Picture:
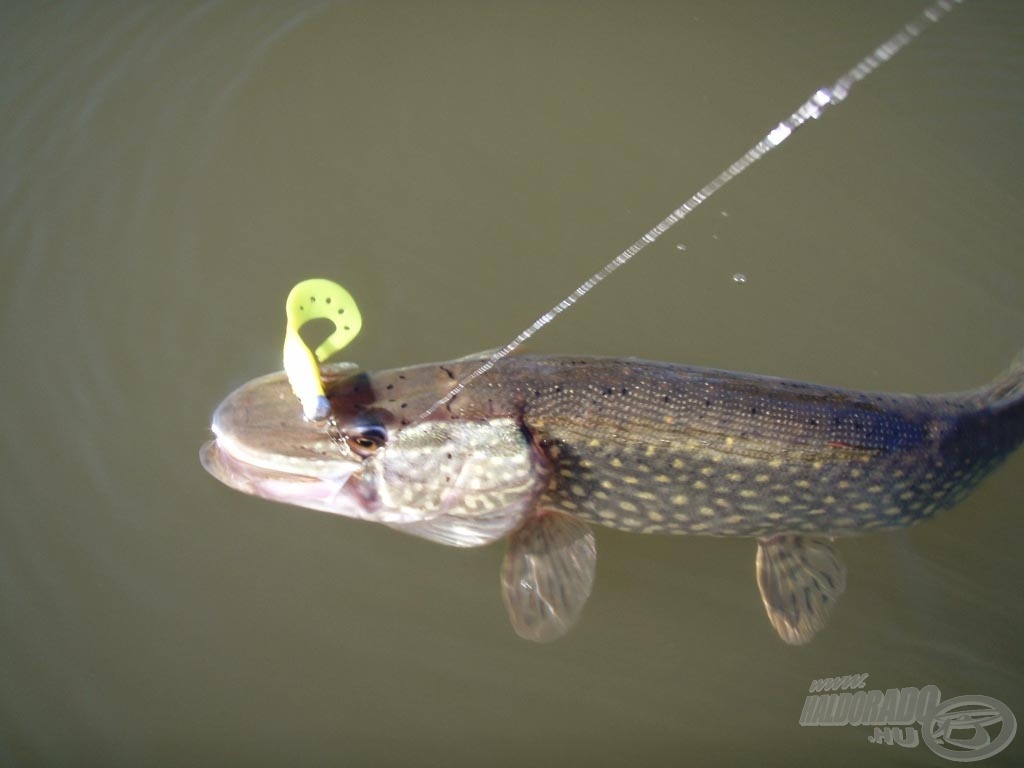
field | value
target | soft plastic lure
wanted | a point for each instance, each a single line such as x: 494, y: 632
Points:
x: 311, y: 300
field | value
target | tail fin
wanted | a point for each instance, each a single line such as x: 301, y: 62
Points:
x: 1009, y: 386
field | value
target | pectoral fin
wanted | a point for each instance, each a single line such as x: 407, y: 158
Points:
x: 547, y: 575
x: 800, y: 578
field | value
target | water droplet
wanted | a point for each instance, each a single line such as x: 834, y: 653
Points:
x: 739, y: 277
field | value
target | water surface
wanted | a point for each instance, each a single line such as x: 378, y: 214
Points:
x: 168, y: 171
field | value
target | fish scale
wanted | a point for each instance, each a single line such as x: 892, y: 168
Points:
x: 691, y: 451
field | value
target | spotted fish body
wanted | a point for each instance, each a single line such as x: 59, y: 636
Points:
x: 539, y: 447
x: 657, y: 448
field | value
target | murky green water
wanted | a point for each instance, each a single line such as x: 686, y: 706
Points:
x: 168, y: 171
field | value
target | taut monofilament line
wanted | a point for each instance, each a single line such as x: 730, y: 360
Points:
x: 813, y: 108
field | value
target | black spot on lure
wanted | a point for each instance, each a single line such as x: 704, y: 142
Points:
x: 540, y: 447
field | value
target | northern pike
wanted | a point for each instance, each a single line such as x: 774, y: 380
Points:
x: 539, y: 447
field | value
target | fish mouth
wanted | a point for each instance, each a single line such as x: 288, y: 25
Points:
x: 326, y: 493
x: 263, y: 446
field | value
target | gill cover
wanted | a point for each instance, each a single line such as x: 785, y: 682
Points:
x: 462, y: 483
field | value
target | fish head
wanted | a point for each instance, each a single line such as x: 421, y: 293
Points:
x: 459, y: 478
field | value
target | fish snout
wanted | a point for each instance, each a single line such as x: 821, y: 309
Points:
x: 263, y: 445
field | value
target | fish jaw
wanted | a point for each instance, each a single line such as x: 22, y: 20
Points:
x: 263, y: 446
x: 324, y: 494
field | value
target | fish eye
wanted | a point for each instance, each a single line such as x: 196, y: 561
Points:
x: 367, y: 440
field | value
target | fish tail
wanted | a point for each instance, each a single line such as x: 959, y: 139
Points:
x: 1008, y: 388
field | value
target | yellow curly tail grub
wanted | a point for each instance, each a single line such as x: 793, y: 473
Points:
x: 312, y: 300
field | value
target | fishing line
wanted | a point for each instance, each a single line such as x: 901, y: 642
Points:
x: 811, y: 109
